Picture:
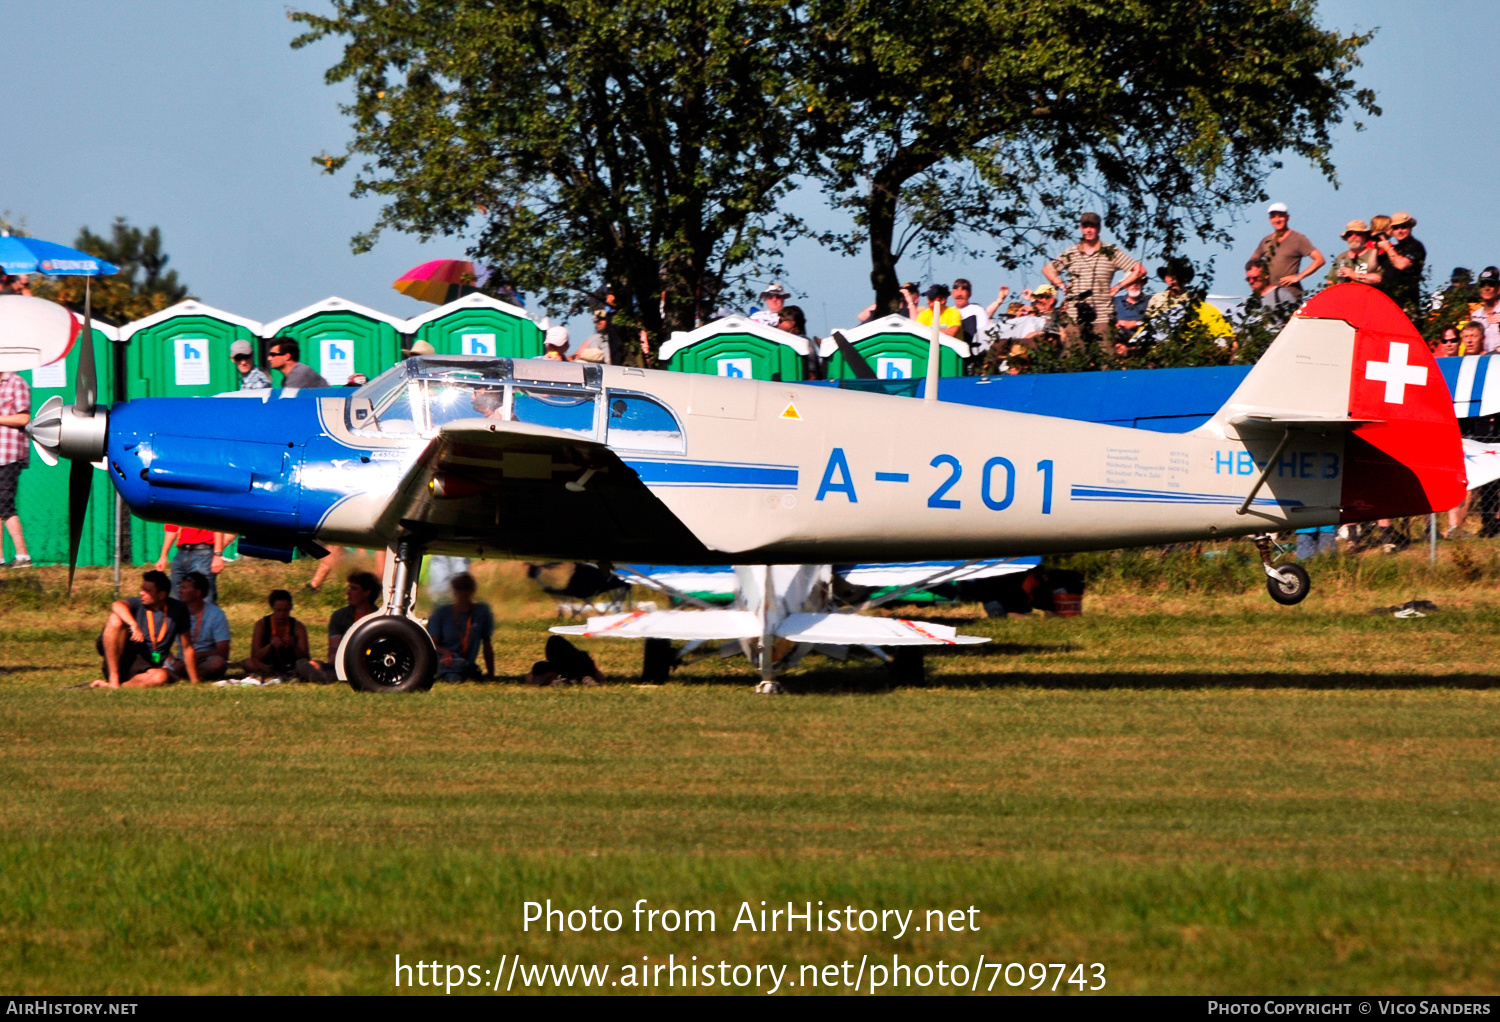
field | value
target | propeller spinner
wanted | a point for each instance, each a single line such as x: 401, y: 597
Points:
x: 78, y: 432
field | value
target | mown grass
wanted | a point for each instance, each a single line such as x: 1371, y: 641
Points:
x: 1203, y: 791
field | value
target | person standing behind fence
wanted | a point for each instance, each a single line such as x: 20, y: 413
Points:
x: 1402, y: 260
x: 197, y: 550
x: 283, y: 355
x: 15, y: 455
x: 1090, y: 266
x: 1283, y: 250
x: 252, y: 376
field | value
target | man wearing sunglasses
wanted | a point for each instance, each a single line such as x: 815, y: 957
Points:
x: 252, y: 376
x: 283, y: 356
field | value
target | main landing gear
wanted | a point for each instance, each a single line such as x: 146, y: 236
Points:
x: 1288, y: 584
x: 388, y: 651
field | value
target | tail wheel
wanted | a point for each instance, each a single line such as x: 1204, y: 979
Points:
x: 1292, y: 587
x: 386, y: 653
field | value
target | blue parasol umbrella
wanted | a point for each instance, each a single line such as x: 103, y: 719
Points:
x: 32, y: 255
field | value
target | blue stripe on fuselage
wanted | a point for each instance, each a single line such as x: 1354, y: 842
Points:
x: 715, y: 474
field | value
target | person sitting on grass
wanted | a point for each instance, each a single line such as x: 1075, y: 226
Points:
x: 139, y: 634
x: 361, y: 592
x: 566, y: 664
x: 208, y: 634
x: 460, y: 630
x: 278, y: 642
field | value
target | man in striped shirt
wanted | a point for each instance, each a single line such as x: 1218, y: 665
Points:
x: 1090, y: 266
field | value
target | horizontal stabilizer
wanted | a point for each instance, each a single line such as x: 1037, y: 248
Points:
x: 1482, y: 461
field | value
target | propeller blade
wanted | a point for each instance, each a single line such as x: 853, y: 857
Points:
x: 852, y: 358
x: 86, y: 391
x: 80, y: 479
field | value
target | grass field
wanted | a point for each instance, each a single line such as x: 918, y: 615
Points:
x: 1200, y: 790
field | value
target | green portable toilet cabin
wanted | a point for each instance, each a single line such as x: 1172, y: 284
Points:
x: 896, y: 349
x: 738, y: 346
x: 42, y: 501
x: 338, y: 338
x: 477, y: 324
x: 182, y: 351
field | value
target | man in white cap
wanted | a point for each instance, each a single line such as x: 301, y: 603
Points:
x: 555, y: 346
x: 252, y: 376
x: 1283, y: 250
x: 774, y: 297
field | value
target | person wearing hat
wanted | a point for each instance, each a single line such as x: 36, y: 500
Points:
x: 1090, y: 266
x: 555, y: 346
x: 774, y: 298
x: 418, y: 348
x: 1284, y: 249
x: 1402, y: 259
x: 1487, y: 312
x: 1359, y: 264
x: 950, y: 321
x: 252, y: 376
x: 1162, y: 311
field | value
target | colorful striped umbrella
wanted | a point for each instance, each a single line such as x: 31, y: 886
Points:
x: 435, y: 281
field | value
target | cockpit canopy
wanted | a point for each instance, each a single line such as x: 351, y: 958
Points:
x: 421, y: 395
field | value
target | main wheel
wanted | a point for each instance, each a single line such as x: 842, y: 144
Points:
x: 1294, y: 589
x: 908, y: 665
x: 386, y: 653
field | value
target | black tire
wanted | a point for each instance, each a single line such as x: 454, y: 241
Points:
x: 1294, y: 590
x: 908, y: 666
x: 387, y: 653
x: 658, y: 661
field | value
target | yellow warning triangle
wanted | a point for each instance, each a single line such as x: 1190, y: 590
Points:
x: 790, y: 412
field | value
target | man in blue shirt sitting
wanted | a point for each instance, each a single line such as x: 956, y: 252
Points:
x: 460, y: 630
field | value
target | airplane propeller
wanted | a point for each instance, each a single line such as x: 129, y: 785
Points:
x: 78, y: 432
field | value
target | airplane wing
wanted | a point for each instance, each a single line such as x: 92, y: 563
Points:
x: 521, y: 488
x: 687, y: 625
x: 694, y: 584
x: 856, y: 630
x: 1482, y: 462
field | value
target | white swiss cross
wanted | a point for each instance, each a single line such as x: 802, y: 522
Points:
x: 1396, y: 374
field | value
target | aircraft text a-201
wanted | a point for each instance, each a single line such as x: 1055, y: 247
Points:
x: 1345, y: 418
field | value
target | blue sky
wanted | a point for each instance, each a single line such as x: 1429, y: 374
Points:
x: 199, y: 118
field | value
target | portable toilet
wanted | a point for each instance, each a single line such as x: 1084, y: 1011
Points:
x: 896, y: 349
x: 338, y: 338
x: 740, y: 347
x: 42, y: 501
x: 477, y: 324
x: 183, y: 351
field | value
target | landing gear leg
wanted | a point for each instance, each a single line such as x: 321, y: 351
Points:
x: 1288, y: 584
x: 768, y: 685
x: 388, y: 651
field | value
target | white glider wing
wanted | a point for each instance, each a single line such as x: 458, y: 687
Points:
x: 855, y: 630
x: 686, y: 625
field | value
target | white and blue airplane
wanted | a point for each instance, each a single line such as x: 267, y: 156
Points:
x: 1345, y: 418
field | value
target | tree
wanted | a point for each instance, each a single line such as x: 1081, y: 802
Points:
x: 991, y: 124
x: 144, y: 284
x: 633, y: 144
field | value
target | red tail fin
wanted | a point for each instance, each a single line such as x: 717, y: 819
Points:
x: 1410, y: 460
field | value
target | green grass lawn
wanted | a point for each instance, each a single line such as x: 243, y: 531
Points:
x: 1202, y: 791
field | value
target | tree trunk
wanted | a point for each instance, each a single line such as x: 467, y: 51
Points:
x: 882, y: 226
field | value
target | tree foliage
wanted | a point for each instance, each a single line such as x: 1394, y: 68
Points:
x: 989, y: 125
x: 632, y: 143
x: 144, y: 284
x: 644, y: 144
